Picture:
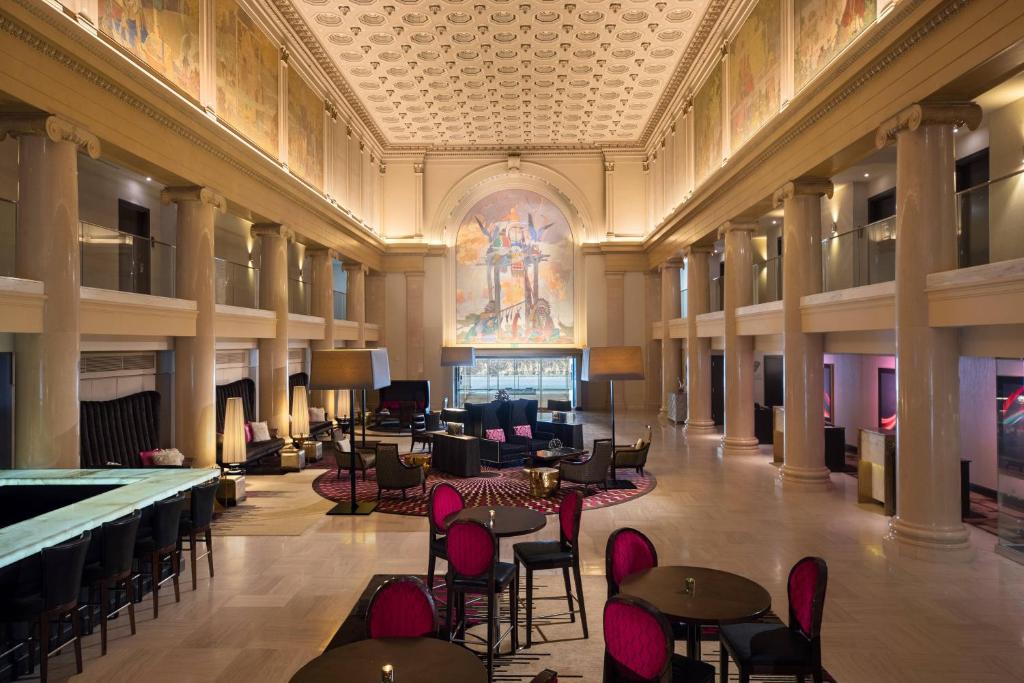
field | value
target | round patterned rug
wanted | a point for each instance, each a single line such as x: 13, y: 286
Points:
x: 508, y: 486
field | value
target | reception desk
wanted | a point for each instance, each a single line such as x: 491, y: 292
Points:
x: 876, y: 471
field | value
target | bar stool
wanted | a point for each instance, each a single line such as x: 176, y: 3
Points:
x: 113, y: 571
x: 195, y: 521
x: 159, y: 542
x: 60, y: 580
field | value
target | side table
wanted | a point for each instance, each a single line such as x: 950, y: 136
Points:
x: 314, y: 450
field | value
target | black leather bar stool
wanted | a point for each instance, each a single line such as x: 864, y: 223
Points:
x: 158, y: 541
x: 196, y: 520
x: 113, y: 572
x: 60, y: 581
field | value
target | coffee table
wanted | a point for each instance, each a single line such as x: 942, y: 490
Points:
x: 508, y: 520
x: 551, y: 458
x: 415, y: 660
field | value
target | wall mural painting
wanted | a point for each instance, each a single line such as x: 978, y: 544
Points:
x: 755, y: 77
x: 248, y: 71
x: 162, y: 33
x: 823, y: 28
x: 707, y: 125
x: 514, y: 272
x: 305, y: 131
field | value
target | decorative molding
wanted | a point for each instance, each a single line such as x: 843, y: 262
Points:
x: 697, y: 249
x: 193, y: 193
x: 738, y: 225
x: 806, y: 186
x: 55, y: 128
x: 322, y: 252
x: 271, y: 230
x: 928, y: 113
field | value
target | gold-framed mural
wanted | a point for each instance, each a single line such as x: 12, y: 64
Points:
x: 823, y: 28
x: 305, y: 131
x: 755, y: 74
x: 707, y: 125
x: 514, y: 257
x: 164, y: 34
x: 248, y: 76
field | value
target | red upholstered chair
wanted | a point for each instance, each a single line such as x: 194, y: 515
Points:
x: 561, y: 554
x: 630, y: 551
x: 793, y: 650
x: 444, y: 500
x: 473, y: 568
x: 638, y: 646
x: 401, y: 608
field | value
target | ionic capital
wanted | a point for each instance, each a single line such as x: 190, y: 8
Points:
x: 271, y: 230
x: 674, y: 262
x: 928, y: 113
x: 738, y: 225
x: 355, y: 267
x: 322, y: 253
x: 806, y: 186
x: 55, y: 128
x: 193, y: 193
x: 696, y: 249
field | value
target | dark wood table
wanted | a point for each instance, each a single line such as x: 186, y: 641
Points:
x: 508, y: 521
x: 415, y: 660
x: 547, y: 458
x: 718, y: 598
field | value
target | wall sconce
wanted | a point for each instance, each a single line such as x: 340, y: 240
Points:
x: 835, y: 230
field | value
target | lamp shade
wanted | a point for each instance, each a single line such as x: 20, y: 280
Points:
x: 612, y: 363
x: 350, y: 369
x: 343, y: 405
x: 300, y: 411
x: 233, y: 450
x: 457, y: 356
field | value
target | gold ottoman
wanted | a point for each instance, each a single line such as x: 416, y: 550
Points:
x: 421, y: 459
x: 543, y: 481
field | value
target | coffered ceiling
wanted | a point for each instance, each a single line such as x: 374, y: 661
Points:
x: 506, y: 72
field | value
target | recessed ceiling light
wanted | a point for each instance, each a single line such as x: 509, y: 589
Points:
x: 956, y: 129
x: 148, y: 179
x: 775, y: 222
x: 867, y: 175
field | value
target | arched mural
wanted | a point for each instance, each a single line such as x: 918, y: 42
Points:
x: 514, y: 272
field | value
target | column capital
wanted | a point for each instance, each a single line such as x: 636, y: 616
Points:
x: 738, y: 225
x: 271, y: 230
x: 193, y: 193
x: 56, y: 128
x: 928, y: 113
x: 697, y: 249
x: 322, y: 252
x: 353, y: 266
x: 806, y: 186
x: 674, y: 262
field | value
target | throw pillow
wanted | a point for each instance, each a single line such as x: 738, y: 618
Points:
x: 168, y: 456
x: 260, y: 431
x: 639, y: 443
x: 317, y: 415
x: 248, y: 432
x: 147, y: 458
x: 523, y: 430
x: 497, y: 434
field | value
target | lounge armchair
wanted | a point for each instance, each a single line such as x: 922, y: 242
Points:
x: 364, y: 458
x: 392, y: 473
x: 634, y: 455
x: 593, y: 470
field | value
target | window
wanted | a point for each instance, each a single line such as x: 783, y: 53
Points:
x: 534, y: 378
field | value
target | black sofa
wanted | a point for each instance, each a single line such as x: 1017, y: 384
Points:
x: 524, y: 412
x: 495, y: 415
x: 404, y: 399
x: 301, y: 379
x: 246, y: 390
x: 113, y: 433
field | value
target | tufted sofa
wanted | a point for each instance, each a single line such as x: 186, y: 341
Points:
x: 246, y: 390
x: 113, y: 433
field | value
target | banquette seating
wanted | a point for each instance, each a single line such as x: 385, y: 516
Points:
x: 246, y: 390
x: 114, y: 433
x: 403, y: 399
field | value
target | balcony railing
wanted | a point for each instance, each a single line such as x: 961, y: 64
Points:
x: 717, y: 294
x: 682, y: 303
x: 298, y: 296
x: 862, y: 256
x: 237, y: 284
x: 990, y: 221
x: 340, y: 305
x: 126, y: 263
x: 768, y: 280
x: 8, y: 229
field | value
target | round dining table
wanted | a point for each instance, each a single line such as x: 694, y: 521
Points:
x: 717, y: 597
x: 508, y: 520
x: 414, y: 660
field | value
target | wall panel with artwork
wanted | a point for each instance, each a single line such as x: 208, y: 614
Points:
x: 707, y: 126
x: 305, y: 131
x: 755, y: 75
x: 823, y: 28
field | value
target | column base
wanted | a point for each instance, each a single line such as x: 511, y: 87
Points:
x: 740, y: 445
x: 915, y: 541
x: 805, y: 478
x: 700, y: 427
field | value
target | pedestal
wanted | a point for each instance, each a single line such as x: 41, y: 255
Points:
x: 293, y: 459
x: 231, y: 489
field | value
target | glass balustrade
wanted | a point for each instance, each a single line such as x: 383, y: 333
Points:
x: 8, y: 225
x: 298, y: 296
x: 862, y: 256
x: 125, y: 263
x: 767, y: 282
x: 340, y: 305
x: 237, y: 284
x: 682, y: 303
x: 989, y: 221
x: 717, y: 294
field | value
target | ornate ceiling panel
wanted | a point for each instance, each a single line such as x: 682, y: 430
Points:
x: 502, y: 72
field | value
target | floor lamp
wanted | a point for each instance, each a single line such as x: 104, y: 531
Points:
x: 457, y: 357
x: 610, y: 363
x: 354, y: 370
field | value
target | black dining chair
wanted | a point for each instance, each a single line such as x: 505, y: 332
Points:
x: 113, y: 572
x: 158, y: 542
x: 60, y: 581
x: 194, y: 526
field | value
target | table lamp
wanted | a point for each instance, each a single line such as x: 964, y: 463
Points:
x: 354, y: 370
x: 612, y: 363
x: 300, y: 415
x: 233, y: 449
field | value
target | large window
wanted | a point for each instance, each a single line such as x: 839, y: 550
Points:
x: 535, y: 378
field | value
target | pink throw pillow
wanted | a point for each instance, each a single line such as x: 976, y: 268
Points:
x: 147, y: 458
x: 248, y: 432
x: 523, y: 430
x: 495, y: 435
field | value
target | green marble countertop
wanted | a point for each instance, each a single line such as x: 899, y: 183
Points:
x: 137, y: 488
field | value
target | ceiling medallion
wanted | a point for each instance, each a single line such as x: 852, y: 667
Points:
x: 328, y: 19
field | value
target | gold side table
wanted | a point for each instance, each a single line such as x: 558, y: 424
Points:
x: 421, y: 459
x: 543, y: 481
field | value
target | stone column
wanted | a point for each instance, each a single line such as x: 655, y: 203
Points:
x: 355, y: 301
x: 739, y: 436
x: 804, y: 465
x: 414, y: 324
x: 322, y: 301
x: 671, y: 349
x: 652, y: 314
x: 927, y: 520
x: 46, y: 364
x: 195, y: 358
x: 273, y: 352
x: 698, y: 349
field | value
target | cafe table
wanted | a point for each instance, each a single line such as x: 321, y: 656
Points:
x: 508, y: 520
x: 717, y: 597
x: 414, y: 660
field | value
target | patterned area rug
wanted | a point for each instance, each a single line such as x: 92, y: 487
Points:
x: 509, y: 486
x: 558, y: 643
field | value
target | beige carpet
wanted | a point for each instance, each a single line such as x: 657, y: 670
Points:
x: 276, y: 505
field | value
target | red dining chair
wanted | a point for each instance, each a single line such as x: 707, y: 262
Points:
x: 561, y: 554
x: 401, y: 608
x: 774, y: 649
x: 444, y: 500
x: 473, y: 568
x: 638, y: 646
